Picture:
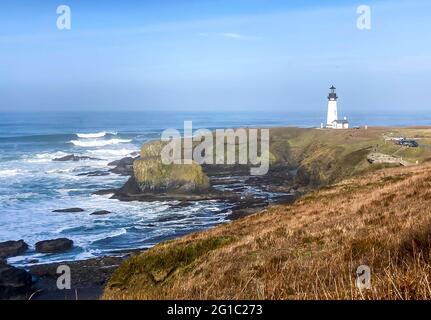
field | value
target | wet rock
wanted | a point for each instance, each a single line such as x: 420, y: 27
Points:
x: 14, y: 283
x: 54, y: 246
x: 98, y: 173
x: 123, y: 166
x: 33, y: 261
x: 12, y: 248
x: 101, y: 213
x: 89, y: 278
x: 122, y: 162
x: 69, y: 210
x: 72, y: 157
x: 104, y: 192
x: 171, y: 217
x: 181, y: 204
x: 129, y: 188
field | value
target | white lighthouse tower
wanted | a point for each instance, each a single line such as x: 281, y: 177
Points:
x: 332, y: 108
x: 332, y: 118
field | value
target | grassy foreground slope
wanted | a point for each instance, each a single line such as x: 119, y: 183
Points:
x: 308, y: 250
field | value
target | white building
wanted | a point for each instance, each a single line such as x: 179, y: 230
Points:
x: 332, y: 120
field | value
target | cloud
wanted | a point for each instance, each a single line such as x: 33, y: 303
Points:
x: 233, y: 35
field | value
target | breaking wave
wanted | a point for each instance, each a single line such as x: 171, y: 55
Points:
x: 9, y: 173
x: 94, y: 135
x: 98, y: 143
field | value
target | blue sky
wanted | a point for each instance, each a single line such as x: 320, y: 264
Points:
x: 219, y: 55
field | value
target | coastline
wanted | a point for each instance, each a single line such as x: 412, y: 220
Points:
x: 289, y: 178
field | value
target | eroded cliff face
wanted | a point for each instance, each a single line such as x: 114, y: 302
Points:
x: 151, y: 175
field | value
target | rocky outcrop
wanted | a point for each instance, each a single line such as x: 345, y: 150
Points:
x: 12, y: 248
x: 72, y: 157
x: 123, y: 166
x: 100, y: 213
x: 151, y: 175
x: 69, y: 210
x: 97, y: 173
x: 54, y: 246
x: 14, y: 283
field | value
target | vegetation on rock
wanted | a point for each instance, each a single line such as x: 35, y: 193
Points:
x: 152, y: 175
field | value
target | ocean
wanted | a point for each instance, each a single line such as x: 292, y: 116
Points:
x: 32, y: 185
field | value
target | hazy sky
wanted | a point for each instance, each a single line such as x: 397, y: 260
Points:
x: 219, y: 55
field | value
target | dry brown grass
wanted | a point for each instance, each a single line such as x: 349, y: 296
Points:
x: 308, y: 250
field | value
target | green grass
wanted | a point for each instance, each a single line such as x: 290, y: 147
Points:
x: 326, y: 156
x: 163, y: 263
x: 152, y: 175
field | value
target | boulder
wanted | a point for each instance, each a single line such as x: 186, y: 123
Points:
x: 101, y: 213
x: 54, y: 246
x: 12, y: 248
x: 69, y: 210
x: 14, y: 283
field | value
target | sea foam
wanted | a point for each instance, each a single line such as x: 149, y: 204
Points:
x: 9, y: 173
x: 94, y: 135
x: 98, y: 143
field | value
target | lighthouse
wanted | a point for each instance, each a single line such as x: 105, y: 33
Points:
x: 332, y: 107
x: 332, y: 117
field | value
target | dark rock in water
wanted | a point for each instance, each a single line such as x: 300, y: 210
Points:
x: 54, y: 246
x: 100, y: 213
x: 72, y: 157
x: 32, y: 261
x: 123, y: 166
x: 123, y: 171
x: 14, y: 283
x: 12, y: 248
x: 171, y: 217
x: 104, y: 192
x: 94, y: 174
x: 182, y: 204
x: 69, y: 210
x: 129, y: 188
x: 122, y: 162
